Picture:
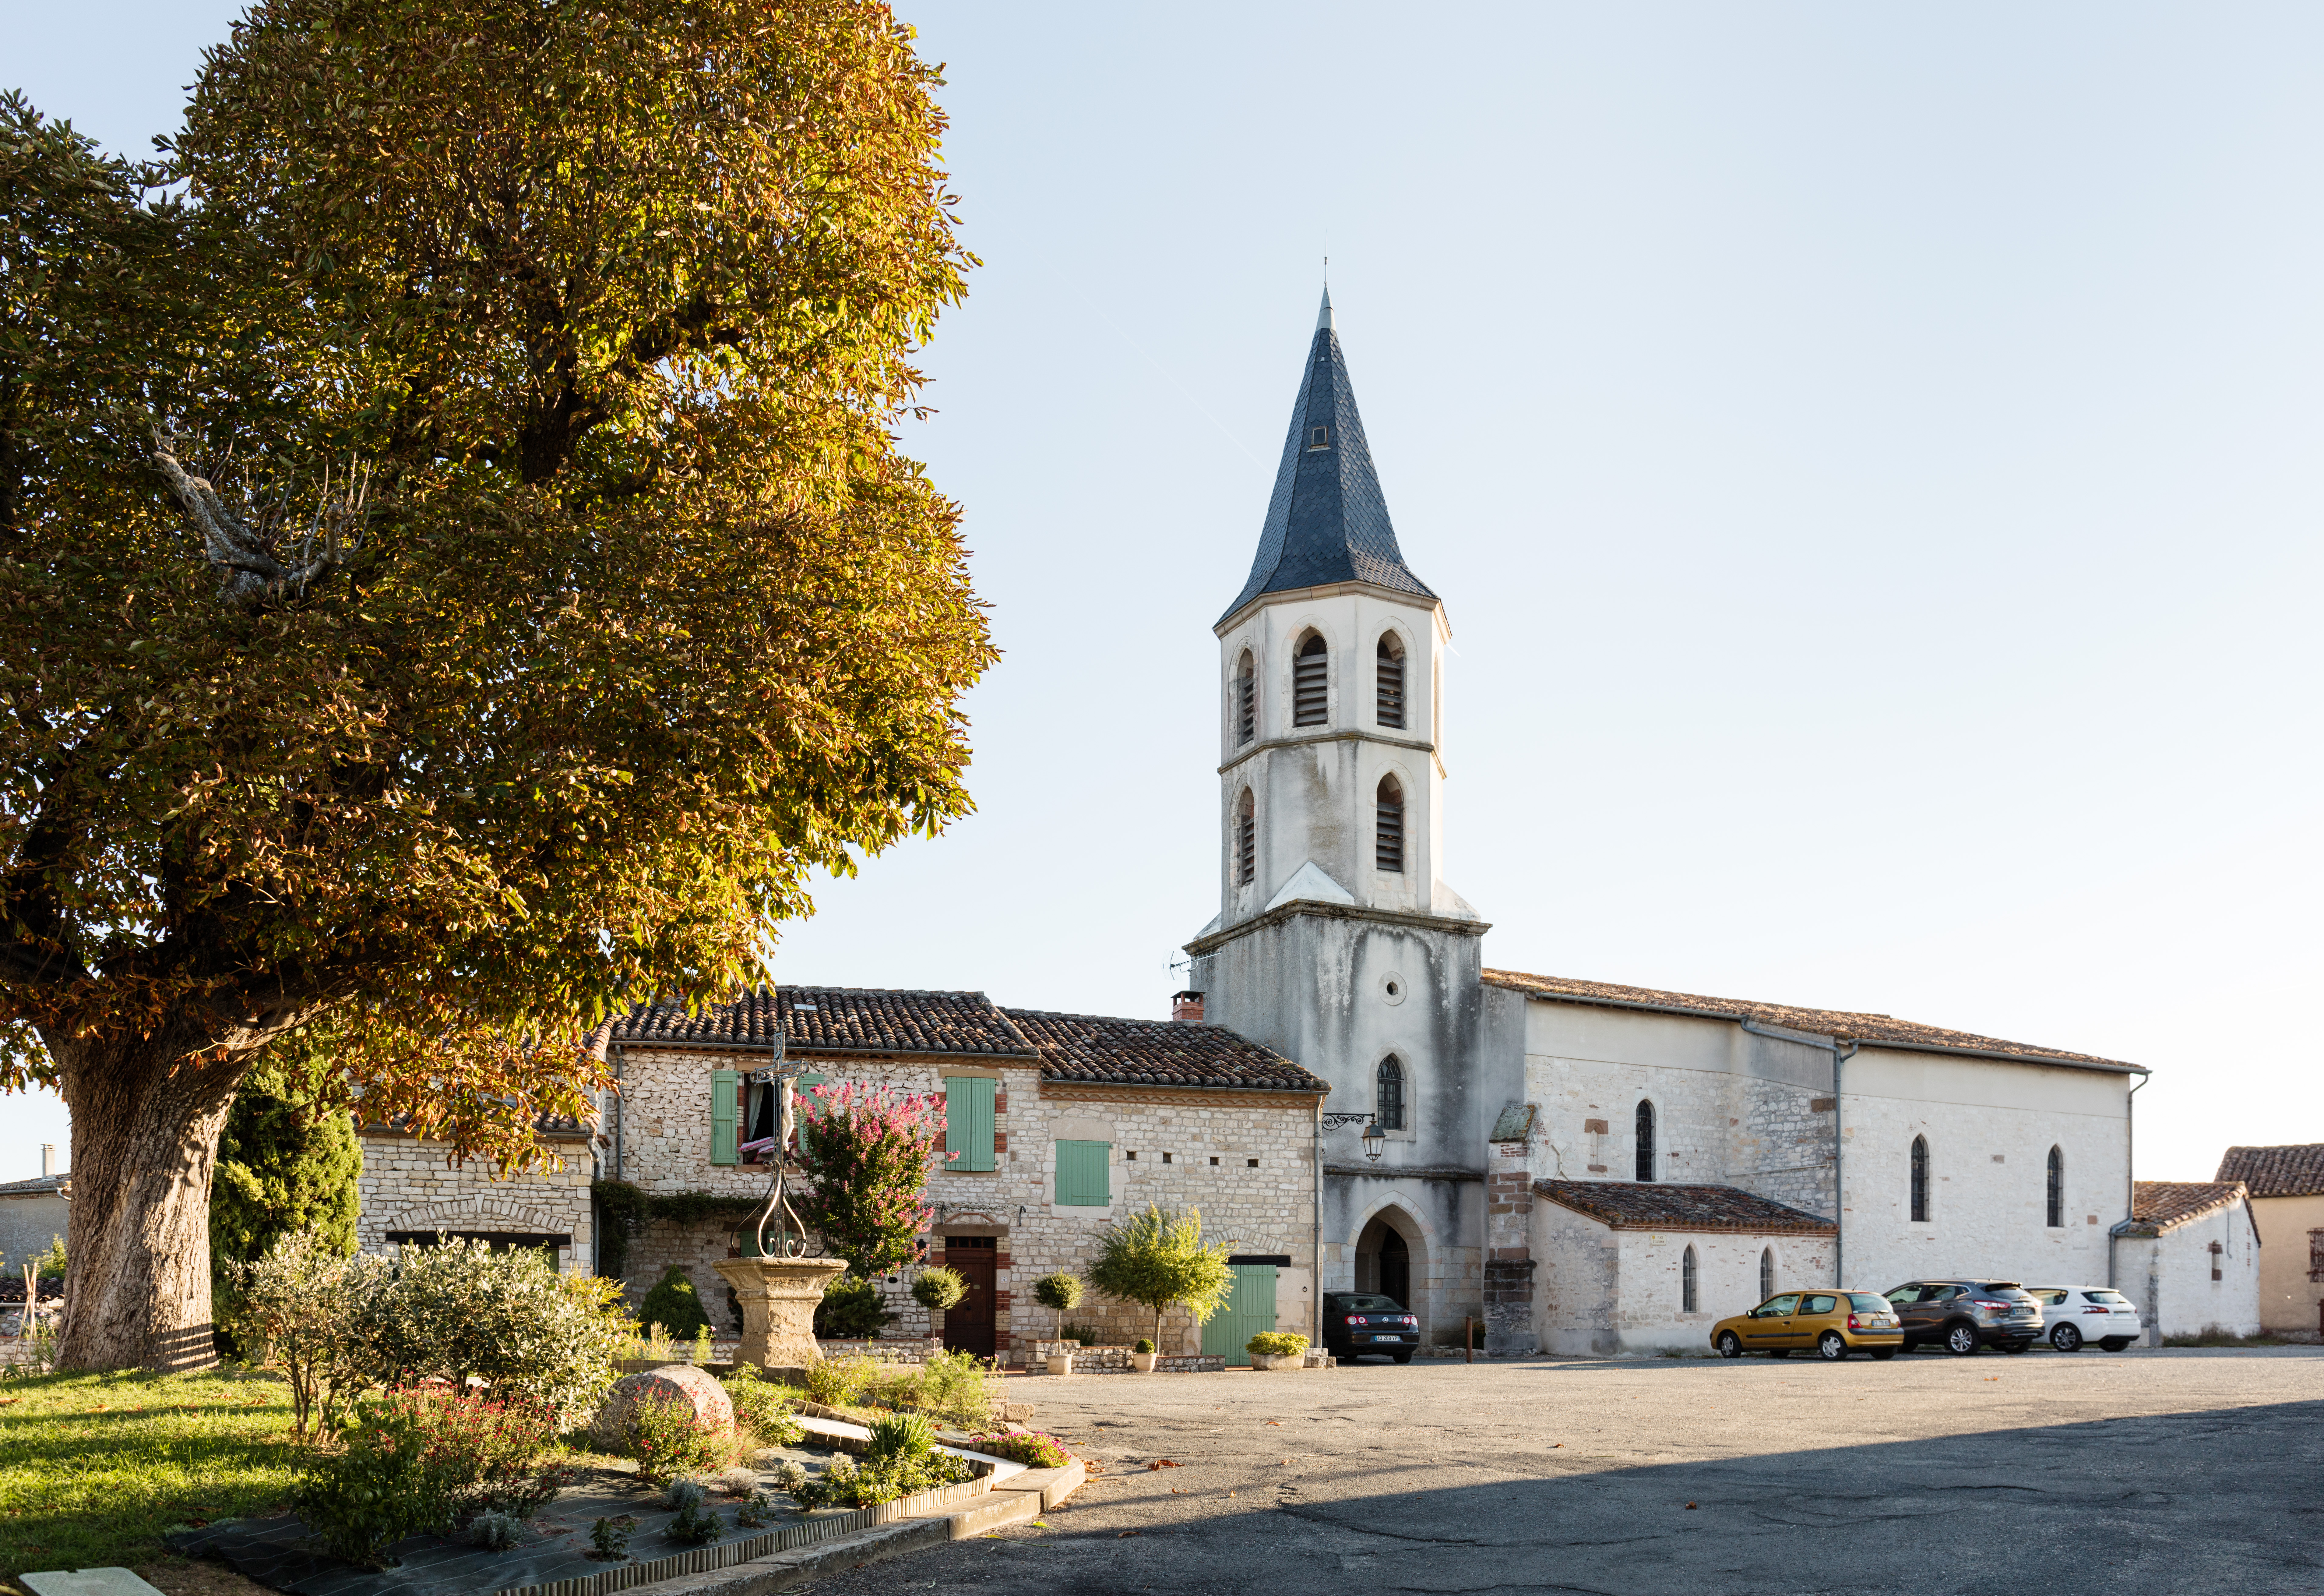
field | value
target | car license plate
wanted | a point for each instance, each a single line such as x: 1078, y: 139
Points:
x: 1387, y: 1338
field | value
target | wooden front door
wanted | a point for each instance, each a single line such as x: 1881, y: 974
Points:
x: 968, y: 1324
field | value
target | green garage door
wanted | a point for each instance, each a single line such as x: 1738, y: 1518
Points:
x: 1249, y: 1309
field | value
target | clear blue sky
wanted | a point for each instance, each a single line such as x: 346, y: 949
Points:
x: 1869, y: 456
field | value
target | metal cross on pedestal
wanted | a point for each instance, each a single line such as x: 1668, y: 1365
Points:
x: 792, y: 1231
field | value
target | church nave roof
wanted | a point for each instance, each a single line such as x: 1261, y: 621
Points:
x: 1873, y: 1030
x: 1648, y: 1205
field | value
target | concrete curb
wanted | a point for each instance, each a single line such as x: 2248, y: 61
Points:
x: 1023, y: 1496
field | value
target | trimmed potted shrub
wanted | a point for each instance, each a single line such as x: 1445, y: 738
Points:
x: 1061, y: 1293
x: 1276, y: 1349
x: 1141, y: 1356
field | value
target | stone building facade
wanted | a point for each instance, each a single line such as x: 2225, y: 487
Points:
x: 1065, y: 1123
x: 413, y: 1190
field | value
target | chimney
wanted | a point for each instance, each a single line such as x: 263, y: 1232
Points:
x: 1186, y: 1008
x: 49, y: 1149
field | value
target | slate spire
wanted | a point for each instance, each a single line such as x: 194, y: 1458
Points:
x: 1327, y: 522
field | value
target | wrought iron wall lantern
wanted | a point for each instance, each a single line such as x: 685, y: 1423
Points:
x: 1375, y: 1138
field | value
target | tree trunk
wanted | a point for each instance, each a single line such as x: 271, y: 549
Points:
x: 145, y: 1123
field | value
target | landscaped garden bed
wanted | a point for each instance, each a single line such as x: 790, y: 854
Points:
x: 742, y: 1514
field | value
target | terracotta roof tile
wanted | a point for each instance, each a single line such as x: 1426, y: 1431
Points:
x: 2295, y: 1171
x: 1883, y: 1029
x: 836, y: 1019
x: 1157, y: 1053
x: 2160, y: 1206
x: 1640, y: 1205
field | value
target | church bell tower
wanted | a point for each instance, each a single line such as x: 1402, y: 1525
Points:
x: 1337, y: 942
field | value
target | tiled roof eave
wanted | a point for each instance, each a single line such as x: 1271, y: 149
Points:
x: 1510, y: 981
x: 1050, y: 1073
x: 818, y: 1050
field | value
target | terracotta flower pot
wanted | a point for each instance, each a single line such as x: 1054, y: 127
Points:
x: 1143, y: 1361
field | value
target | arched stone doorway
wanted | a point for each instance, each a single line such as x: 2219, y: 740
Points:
x: 1391, y: 1256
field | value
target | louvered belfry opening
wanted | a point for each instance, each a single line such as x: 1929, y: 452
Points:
x: 1246, y: 690
x: 1310, y: 696
x: 1388, y: 848
x: 1391, y: 683
x: 1246, y: 841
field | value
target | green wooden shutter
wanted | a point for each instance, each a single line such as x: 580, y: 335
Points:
x: 1081, y: 1173
x: 723, y: 1090
x: 803, y: 1106
x: 968, y: 1122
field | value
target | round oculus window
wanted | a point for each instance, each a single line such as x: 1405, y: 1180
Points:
x: 1392, y: 987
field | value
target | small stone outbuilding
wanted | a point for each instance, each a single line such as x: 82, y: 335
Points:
x: 2189, y: 1257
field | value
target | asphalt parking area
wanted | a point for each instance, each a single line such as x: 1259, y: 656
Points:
x: 2178, y: 1471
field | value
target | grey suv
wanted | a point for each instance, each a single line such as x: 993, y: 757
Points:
x: 1962, y: 1315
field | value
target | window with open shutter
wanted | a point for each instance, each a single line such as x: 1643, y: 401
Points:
x: 1390, y: 671
x: 803, y: 1106
x: 968, y: 1122
x: 1081, y: 1174
x: 1310, y: 682
x: 725, y: 1102
x: 1387, y: 819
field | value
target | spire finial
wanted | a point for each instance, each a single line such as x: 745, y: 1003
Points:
x: 1324, y: 316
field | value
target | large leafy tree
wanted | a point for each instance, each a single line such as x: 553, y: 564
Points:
x: 456, y: 576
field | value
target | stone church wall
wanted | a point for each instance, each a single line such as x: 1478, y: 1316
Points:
x: 1989, y: 1127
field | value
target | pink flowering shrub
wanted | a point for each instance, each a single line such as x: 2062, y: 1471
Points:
x: 866, y: 1150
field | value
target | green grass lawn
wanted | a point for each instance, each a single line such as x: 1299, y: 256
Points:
x: 96, y: 1468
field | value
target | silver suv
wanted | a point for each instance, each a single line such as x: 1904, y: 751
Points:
x: 1962, y: 1315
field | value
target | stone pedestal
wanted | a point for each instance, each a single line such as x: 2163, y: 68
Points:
x: 778, y: 1297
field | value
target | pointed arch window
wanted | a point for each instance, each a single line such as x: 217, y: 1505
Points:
x: 1388, y: 1099
x: 1246, y: 701
x: 1920, y: 1180
x: 1246, y: 839
x: 1646, y: 1123
x: 1390, y: 671
x: 1387, y: 810
x: 1766, y: 1273
x: 1310, y: 689
x: 1688, y: 1292
x: 2057, y: 1204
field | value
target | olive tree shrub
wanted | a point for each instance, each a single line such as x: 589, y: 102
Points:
x: 1158, y: 1260
x: 460, y: 1311
x: 296, y: 1310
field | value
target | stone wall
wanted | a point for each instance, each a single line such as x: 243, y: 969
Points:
x: 410, y: 1184
x: 2169, y: 1277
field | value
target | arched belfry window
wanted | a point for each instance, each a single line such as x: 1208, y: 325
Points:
x: 1646, y: 1140
x: 1688, y: 1292
x: 2057, y: 1189
x: 1766, y: 1273
x: 1246, y: 701
x: 1387, y: 850
x: 1389, y: 667
x: 1310, y: 689
x: 1246, y: 839
x: 1920, y: 1180
x: 1389, y: 1100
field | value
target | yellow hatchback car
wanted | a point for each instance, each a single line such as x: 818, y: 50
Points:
x: 1833, y: 1324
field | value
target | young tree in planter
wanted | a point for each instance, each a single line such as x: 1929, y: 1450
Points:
x: 1061, y: 1293
x: 866, y: 1150
x: 1158, y: 1259
x: 456, y: 575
